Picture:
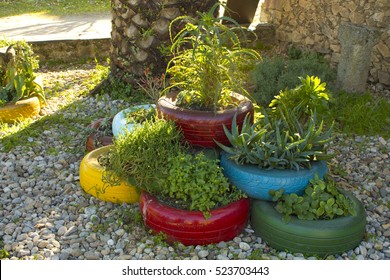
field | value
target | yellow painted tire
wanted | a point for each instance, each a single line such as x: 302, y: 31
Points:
x: 91, y: 181
x: 21, y: 109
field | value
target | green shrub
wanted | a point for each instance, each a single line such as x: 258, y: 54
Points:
x: 276, y: 74
x: 321, y: 201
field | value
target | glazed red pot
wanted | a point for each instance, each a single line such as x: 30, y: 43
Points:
x: 201, y: 128
x: 94, y: 137
x: 191, y: 227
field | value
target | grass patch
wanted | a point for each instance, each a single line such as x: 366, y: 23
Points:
x: 361, y: 114
x: 53, y: 7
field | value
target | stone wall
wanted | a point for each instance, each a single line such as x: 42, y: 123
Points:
x: 314, y: 24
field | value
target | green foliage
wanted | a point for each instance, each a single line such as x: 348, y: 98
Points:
x: 152, y: 86
x: 17, y: 77
x: 278, y: 143
x: 140, y: 157
x: 140, y: 115
x: 58, y: 7
x: 361, y: 114
x: 197, y: 183
x: 321, y: 201
x: 276, y: 74
x: 208, y: 61
x: 310, y: 96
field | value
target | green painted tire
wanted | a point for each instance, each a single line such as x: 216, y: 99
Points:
x: 319, y: 237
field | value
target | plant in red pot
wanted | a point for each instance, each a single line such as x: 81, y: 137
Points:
x: 208, y: 78
x: 183, y: 194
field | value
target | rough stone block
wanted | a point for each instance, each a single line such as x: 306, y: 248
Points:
x: 357, y: 42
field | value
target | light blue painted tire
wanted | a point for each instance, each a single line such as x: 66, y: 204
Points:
x: 119, y: 124
x: 257, y: 183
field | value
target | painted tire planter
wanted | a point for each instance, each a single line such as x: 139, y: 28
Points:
x: 321, y: 237
x: 256, y: 182
x: 200, y: 128
x: 190, y: 227
x: 94, y: 137
x: 91, y: 181
x: 22, y: 109
x: 119, y: 123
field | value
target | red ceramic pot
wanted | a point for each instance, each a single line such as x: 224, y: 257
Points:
x: 201, y: 128
x: 95, y: 137
x: 190, y: 227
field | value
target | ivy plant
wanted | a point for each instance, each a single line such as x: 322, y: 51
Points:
x: 321, y: 201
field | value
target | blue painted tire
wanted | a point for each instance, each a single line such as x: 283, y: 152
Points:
x: 119, y: 124
x: 318, y: 237
x: 257, y: 183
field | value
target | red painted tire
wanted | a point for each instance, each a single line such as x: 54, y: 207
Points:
x: 200, y: 128
x: 92, y: 138
x: 190, y: 227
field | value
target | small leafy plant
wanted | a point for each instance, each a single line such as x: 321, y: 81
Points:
x: 195, y: 182
x: 311, y: 95
x: 17, y: 77
x: 321, y: 201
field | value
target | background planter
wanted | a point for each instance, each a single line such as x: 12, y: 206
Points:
x: 96, y: 137
x: 321, y: 237
x: 200, y: 128
x: 190, y: 227
x: 256, y: 182
x: 91, y: 181
x: 26, y: 108
x: 119, y: 123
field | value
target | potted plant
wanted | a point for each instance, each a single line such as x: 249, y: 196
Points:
x: 21, y: 92
x: 94, y: 179
x: 285, y: 149
x: 183, y: 195
x: 128, y: 119
x: 324, y: 220
x: 207, y: 78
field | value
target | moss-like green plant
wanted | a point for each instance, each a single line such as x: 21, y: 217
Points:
x: 321, y: 201
x: 208, y: 61
x: 195, y: 182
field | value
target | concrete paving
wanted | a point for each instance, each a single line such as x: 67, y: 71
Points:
x: 41, y: 27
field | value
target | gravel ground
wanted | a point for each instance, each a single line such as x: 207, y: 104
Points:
x: 46, y: 215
